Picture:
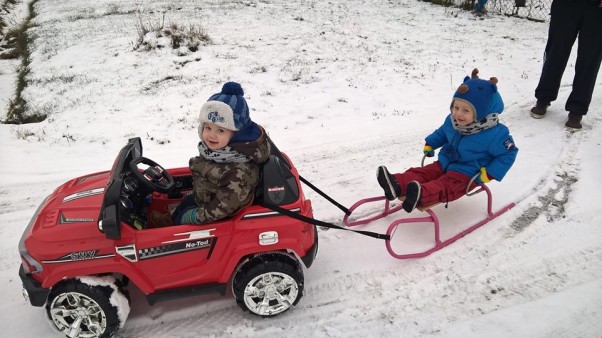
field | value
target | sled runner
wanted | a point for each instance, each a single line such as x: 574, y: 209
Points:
x: 431, y: 217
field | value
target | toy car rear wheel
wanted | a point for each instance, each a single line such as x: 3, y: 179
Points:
x: 268, y: 287
x: 77, y: 309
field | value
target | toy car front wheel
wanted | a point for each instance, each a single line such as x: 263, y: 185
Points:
x: 77, y: 309
x: 268, y: 287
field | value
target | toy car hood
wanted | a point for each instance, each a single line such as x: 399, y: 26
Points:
x: 70, y: 213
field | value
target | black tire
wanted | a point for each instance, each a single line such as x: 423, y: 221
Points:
x: 268, y: 284
x: 77, y: 309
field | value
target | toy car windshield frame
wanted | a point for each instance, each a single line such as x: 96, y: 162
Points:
x: 109, y: 221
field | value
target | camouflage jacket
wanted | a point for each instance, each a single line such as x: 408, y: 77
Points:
x: 223, y: 189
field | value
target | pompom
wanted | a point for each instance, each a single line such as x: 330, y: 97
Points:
x: 232, y: 88
x: 463, y: 89
x: 474, y: 74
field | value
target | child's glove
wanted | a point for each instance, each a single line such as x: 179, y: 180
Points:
x: 159, y: 219
x: 189, y: 217
x: 428, y: 150
x: 484, y: 177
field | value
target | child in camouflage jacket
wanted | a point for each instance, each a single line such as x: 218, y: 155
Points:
x: 226, y: 171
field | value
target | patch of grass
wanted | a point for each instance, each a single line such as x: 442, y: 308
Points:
x: 445, y: 3
x: 17, y: 107
x: 151, y: 33
x: 6, y: 6
x: 154, y: 84
x: 191, y: 36
x: 466, y: 5
x: 28, y: 135
x: 15, y: 43
x: 10, y: 54
x: 56, y: 78
x: 258, y: 69
x: 114, y: 9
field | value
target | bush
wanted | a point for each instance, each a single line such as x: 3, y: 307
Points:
x: 157, y: 35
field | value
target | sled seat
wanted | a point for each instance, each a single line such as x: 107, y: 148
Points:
x: 425, y: 208
x: 428, y: 207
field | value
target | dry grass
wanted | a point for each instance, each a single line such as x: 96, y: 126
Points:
x: 149, y: 35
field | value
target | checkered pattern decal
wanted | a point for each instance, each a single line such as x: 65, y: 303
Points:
x: 174, y: 248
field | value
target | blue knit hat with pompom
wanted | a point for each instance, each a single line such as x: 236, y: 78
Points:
x: 482, y: 95
x: 227, y: 108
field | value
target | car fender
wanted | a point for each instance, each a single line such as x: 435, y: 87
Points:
x: 241, y: 252
x: 69, y: 272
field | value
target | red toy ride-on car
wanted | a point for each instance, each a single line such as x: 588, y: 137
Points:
x: 91, y: 239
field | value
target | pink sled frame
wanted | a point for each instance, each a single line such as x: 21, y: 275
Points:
x: 431, y: 218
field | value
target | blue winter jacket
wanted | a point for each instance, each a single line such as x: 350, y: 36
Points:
x: 492, y: 148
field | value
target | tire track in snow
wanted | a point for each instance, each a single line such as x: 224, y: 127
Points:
x: 444, y: 285
x: 414, y: 294
x: 396, y: 301
x: 406, y: 299
x: 553, y: 192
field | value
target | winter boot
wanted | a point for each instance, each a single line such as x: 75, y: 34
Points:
x: 413, y: 194
x: 574, y: 121
x: 540, y: 109
x: 388, y: 183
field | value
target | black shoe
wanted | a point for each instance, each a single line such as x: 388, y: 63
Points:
x: 540, y: 109
x: 388, y: 183
x: 413, y: 192
x: 574, y: 121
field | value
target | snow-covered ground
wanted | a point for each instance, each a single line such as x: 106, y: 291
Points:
x: 342, y: 86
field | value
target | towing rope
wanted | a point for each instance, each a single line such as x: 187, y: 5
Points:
x: 314, y: 221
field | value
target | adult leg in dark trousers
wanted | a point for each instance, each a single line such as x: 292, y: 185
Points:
x: 571, y: 19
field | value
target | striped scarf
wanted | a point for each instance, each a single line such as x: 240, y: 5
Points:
x: 489, y: 121
x: 223, y: 155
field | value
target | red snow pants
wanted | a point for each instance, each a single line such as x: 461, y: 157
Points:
x: 437, y: 186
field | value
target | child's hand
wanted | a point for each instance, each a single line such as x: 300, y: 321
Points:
x: 189, y: 217
x: 428, y: 150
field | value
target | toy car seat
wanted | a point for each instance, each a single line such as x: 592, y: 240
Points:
x: 277, y: 184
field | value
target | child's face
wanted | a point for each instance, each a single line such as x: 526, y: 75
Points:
x: 216, y: 137
x: 462, y: 112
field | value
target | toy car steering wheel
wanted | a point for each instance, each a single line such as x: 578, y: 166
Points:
x: 154, y: 177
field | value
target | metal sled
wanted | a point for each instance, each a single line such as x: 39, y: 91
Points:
x: 388, y: 210
x: 430, y: 218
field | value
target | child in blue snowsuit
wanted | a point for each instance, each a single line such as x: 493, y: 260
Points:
x: 472, y: 142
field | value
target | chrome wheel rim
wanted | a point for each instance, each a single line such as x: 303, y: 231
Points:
x: 77, y: 315
x: 270, y: 293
